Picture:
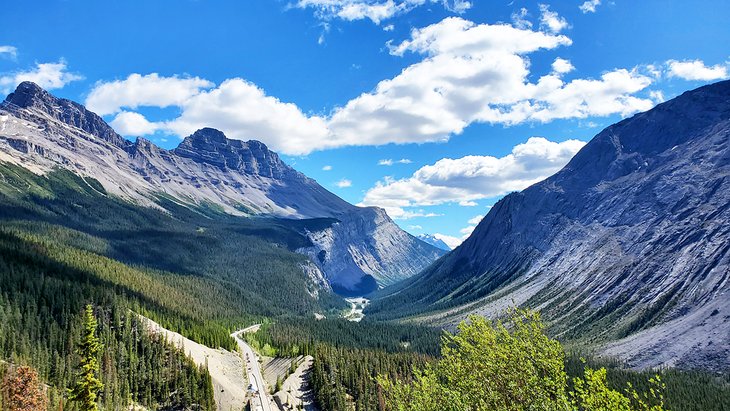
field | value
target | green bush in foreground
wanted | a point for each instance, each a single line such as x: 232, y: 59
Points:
x: 510, y: 365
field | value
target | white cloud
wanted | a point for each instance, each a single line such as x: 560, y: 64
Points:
x: 696, y: 70
x: 589, y: 6
x: 388, y: 27
x: 657, y: 96
x: 457, y: 6
x: 243, y: 111
x: 476, y: 219
x: 150, y: 90
x: 550, y: 20
x: 326, y: 168
x: 562, y: 66
x: 519, y: 19
x: 390, y: 161
x: 469, y: 73
x: 477, y: 73
x: 47, y: 75
x: 375, y: 10
x: 344, y: 183
x: 451, y: 241
x: 133, y: 124
x: 415, y: 227
x: 408, y: 214
x: 468, y: 203
x: 8, y: 52
x: 472, y: 178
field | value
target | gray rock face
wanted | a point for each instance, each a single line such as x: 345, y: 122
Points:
x: 363, y: 251
x: 40, y: 132
x: 628, y: 246
x: 31, y: 102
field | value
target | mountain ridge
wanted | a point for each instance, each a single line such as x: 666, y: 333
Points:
x: 41, y: 132
x: 434, y: 241
x: 626, y: 248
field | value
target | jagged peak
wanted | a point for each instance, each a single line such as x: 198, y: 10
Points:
x: 211, y: 146
x: 29, y: 100
x: 28, y: 94
x: 209, y: 135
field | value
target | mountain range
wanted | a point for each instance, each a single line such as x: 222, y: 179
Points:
x: 357, y: 249
x: 626, y: 249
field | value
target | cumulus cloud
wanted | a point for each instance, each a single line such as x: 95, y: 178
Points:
x: 550, y: 20
x: 472, y: 178
x: 244, y: 111
x: 237, y: 107
x: 477, y: 73
x: 696, y: 70
x: 468, y: 73
x: 562, y: 66
x: 133, y: 124
x: 149, y: 90
x: 375, y: 10
x: 327, y: 168
x: 589, y: 6
x: 344, y: 183
x: 8, y: 52
x: 50, y: 76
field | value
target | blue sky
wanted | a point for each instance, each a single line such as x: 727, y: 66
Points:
x: 477, y: 98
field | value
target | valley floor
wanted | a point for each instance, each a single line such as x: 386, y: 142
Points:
x: 357, y: 306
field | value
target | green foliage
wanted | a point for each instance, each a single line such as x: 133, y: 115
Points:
x: 87, y: 386
x: 344, y: 378
x: 64, y: 243
x: 348, y: 355
x: 511, y: 365
x: 688, y: 390
x: 592, y: 393
x: 291, y: 337
x: 249, y: 262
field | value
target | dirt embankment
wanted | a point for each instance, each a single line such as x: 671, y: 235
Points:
x: 226, y: 368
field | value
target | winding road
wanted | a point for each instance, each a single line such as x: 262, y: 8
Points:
x: 253, y: 369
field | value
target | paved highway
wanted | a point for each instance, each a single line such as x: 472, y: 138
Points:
x: 253, y: 368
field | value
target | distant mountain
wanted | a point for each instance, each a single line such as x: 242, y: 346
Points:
x: 436, y: 242
x: 41, y: 132
x: 627, y: 248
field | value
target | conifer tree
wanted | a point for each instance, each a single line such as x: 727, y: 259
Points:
x: 88, y: 385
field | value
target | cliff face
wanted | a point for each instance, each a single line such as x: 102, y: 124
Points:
x: 364, y: 250
x: 627, y: 246
x: 40, y: 131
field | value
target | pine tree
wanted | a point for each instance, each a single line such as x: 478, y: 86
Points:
x: 88, y: 385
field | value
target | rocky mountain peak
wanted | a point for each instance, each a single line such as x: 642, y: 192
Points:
x: 211, y: 146
x: 627, y: 246
x: 29, y: 94
x: 29, y: 101
x: 208, y: 135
